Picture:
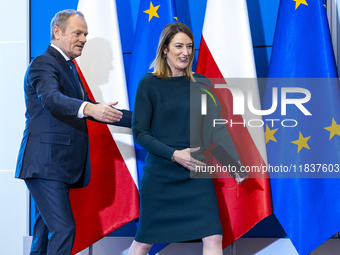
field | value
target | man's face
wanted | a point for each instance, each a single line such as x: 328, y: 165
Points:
x: 73, y: 39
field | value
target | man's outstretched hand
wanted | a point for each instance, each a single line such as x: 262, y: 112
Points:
x: 103, y: 112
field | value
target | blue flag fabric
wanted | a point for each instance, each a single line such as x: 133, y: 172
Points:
x: 152, y: 17
x: 304, y: 149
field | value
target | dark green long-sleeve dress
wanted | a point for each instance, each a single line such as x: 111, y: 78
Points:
x: 174, y: 206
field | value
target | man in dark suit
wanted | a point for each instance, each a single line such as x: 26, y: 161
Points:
x: 54, y: 154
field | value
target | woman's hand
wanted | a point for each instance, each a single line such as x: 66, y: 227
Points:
x: 183, y: 157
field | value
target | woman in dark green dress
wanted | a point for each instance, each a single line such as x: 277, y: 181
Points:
x: 175, y: 207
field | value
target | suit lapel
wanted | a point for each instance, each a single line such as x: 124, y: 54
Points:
x: 66, y: 68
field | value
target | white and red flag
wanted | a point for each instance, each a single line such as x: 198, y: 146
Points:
x: 111, y: 199
x: 226, y: 53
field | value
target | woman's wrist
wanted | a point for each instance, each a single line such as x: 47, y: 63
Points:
x: 173, y: 157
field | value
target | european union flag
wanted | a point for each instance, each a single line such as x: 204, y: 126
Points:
x: 152, y: 17
x: 303, y: 134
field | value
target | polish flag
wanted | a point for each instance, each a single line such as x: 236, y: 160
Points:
x: 226, y: 56
x: 111, y: 199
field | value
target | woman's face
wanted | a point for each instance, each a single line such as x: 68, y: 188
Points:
x: 178, y: 53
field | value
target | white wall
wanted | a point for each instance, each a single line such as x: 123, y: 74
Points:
x: 13, y: 63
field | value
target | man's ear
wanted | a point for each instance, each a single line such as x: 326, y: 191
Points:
x: 57, y: 32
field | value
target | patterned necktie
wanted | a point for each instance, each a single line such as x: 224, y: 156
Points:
x: 75, y: 73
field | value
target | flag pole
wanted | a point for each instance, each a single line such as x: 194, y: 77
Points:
x: 232, y: 248
x: 90, y: 249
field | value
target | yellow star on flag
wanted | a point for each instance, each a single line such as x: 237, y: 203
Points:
x: 334, y: 129
x: 269, y: 134
x: 298, y: 2
x: 302, y: 142
x: 152, y: 11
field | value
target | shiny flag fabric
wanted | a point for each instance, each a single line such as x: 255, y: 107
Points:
x: 306, y: 198
x: 152, y: 17
x: 226, y: 52
x: 111, y: 199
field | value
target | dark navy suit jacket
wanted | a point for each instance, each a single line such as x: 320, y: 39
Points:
x: 55, y: 142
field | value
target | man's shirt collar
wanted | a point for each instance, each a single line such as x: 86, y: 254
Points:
x: 61, y: 52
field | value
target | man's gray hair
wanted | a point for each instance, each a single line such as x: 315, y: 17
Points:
x: 60, y: 20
